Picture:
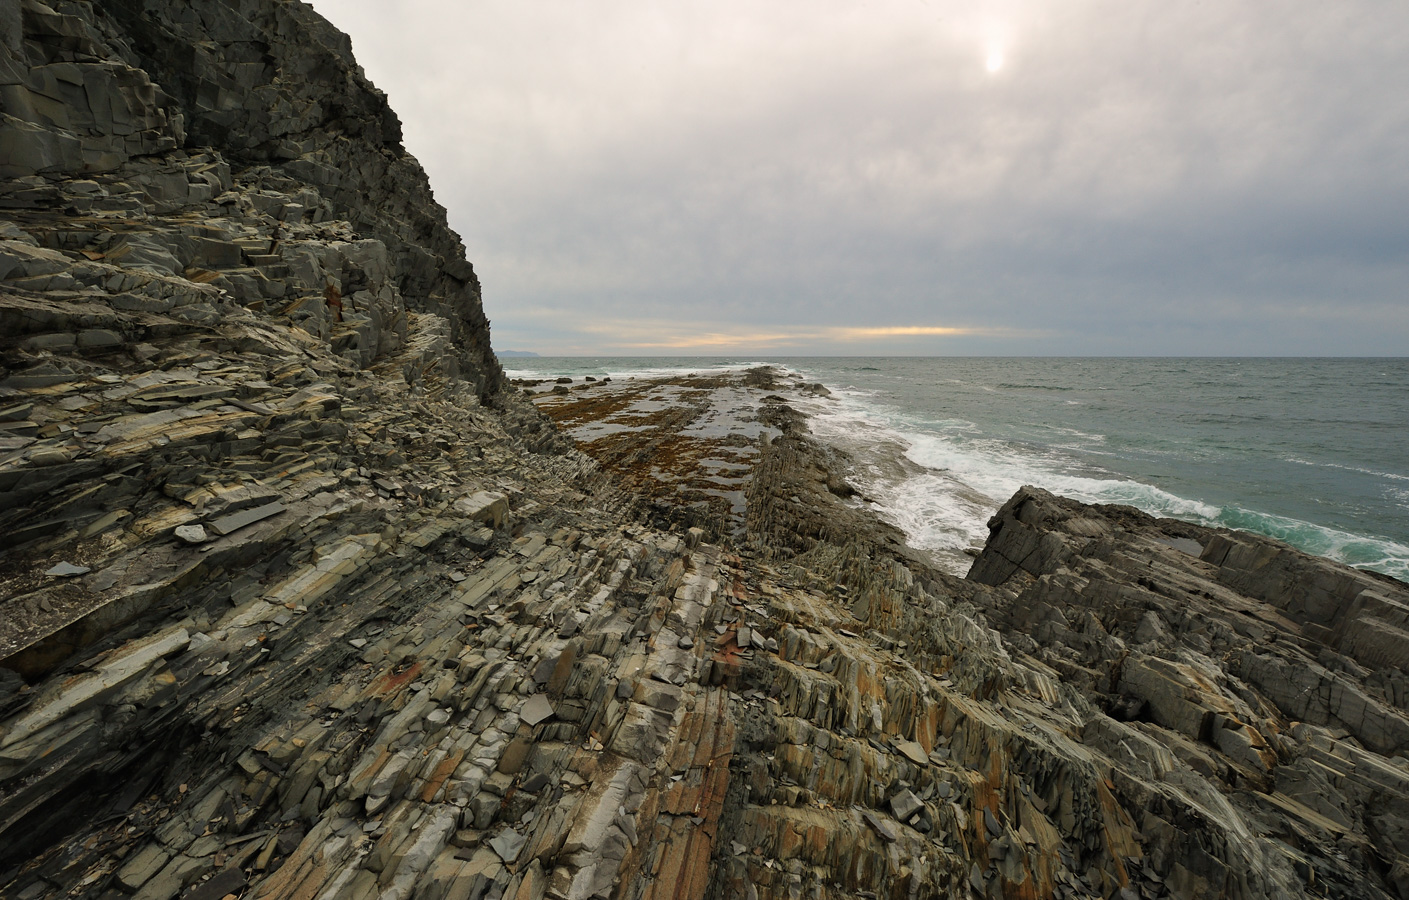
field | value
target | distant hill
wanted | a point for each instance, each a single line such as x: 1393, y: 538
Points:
x: 503, y: 353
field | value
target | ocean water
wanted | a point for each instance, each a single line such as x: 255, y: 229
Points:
x: 1314, y: 452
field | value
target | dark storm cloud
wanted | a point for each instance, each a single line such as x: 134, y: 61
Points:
x: 1132, y: 178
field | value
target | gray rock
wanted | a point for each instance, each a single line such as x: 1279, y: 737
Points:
x: 50, y: 456
x: 508, y: 844
x: 234, y: 522
x: 905, y: 804
x: 990, y: 822
x: 913, y: 752
x: 536, y: 709
x: 192, y: 534
x: 67, y: 570
x: 882, y: 828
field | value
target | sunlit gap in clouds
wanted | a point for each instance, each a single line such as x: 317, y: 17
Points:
x: 675, y: 337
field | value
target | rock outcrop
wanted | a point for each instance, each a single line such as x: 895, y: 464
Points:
x: 166, y: 159
x: 1270, y: 680
x: 299, y: 598
x: 1110, y: 704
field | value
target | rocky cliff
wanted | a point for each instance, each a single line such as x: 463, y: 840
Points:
x: 182, y: 157
x: 299, y: 599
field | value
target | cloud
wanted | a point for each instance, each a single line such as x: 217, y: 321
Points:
x: 1135, y: 178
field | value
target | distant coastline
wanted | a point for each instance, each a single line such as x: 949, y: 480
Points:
x: 515, y: 354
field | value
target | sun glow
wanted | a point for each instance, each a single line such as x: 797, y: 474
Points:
x: 995, y: 58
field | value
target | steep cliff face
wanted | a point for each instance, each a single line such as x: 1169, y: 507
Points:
x: 240, y: 146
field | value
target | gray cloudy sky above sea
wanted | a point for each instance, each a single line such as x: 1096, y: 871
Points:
x: 1067, y: 177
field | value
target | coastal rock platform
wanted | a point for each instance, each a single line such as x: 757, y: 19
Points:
x: 1104, y: 699
x: 299, y: 597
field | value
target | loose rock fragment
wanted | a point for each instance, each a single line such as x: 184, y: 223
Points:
x: 67, y: 570
x: 191, y: 534
x: 235, y: 521
x: 536, y: 709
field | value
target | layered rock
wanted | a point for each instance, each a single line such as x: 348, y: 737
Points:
x: 163, y: 158
x: 1109, y: 705
x: 299, y: 598
x: 1269, y: 679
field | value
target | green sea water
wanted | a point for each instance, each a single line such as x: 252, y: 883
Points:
x: 1314, y: 452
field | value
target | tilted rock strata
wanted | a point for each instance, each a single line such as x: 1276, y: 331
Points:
x: 200, y: 153
x: 300, y: 600
x: 1246, y: 684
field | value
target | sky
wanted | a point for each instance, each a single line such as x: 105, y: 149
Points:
x: 1073, y: 177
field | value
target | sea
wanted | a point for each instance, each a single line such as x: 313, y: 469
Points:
x: 1313, y: 452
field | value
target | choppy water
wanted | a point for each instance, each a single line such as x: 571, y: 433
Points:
x: 1312, y: 451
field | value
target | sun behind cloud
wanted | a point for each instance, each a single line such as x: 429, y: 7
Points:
x: 994, y: 62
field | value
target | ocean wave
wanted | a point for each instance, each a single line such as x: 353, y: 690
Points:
x: 998, y: 469
x: 1019, y: 386
x: 958, y: 477
x: 1330, y: 465
x: 1363, y: 551
x: 955, y: 479
x: 1073, y: 432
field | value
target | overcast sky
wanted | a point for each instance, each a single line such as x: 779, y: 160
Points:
x: 1064, y: 177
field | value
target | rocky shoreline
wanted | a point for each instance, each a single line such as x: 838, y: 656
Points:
x: 300, y: 598
x: 1228, y: 690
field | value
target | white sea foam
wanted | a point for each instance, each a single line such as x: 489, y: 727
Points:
x: 998, y: 469
x: 958, y: 478
x: 1393, y: 476
x: 1379, y: 554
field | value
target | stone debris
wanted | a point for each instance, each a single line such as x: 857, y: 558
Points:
x: 536, y: 709
x: 508, y: 844
x: 355, y: 619
x: 234, y: 522
x: 905, y: 804
x: 192, y: 534
x: 913, y: 751
x: 67, y: 570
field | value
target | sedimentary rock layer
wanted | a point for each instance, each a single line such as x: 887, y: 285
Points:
x: 1109, y: 703
x: 298, y: 598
